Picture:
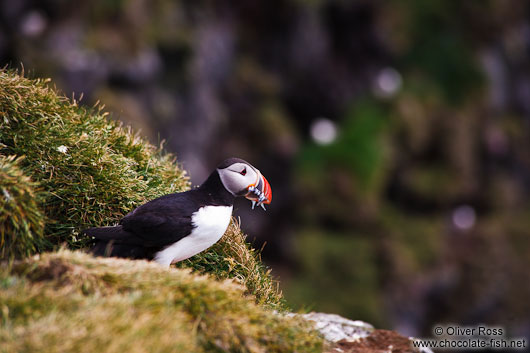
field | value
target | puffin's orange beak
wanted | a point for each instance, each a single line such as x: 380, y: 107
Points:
x: 259, y: 193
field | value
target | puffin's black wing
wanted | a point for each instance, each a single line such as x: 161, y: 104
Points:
x: 140, y: 231
x: 158, y: 223
x: 162, y: 221
x: 154, y: 230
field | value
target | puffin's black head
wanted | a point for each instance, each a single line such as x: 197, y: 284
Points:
x: 240, y: 178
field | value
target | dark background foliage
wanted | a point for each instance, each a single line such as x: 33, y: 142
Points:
x: 415, y: 212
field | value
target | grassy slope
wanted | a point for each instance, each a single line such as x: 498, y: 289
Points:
x: 75, y: 168
x: 64, y: 167
x: 71, y: 302
x: 92, y: 170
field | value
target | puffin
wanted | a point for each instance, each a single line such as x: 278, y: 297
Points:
x: 177, y: 226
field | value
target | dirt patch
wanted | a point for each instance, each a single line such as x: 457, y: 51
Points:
x: 53, y: 270
x: 380, y: 341
x: 62, y: 274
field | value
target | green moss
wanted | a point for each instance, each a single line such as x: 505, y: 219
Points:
x: 436, y: 183
x: 91, y: 171
x: 69, y: 301
x: 357, y: 147
x: 338, y: 275
x: 415, y: 240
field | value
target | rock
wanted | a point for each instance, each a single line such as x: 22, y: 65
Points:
x: 354, y: 336
x: 335, y: 328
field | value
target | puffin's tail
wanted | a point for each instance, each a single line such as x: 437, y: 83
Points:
x: 112, y: 249
x: 108, y: 233
x: 115, y: 242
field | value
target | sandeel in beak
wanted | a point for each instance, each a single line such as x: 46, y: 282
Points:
x: 260, y: 193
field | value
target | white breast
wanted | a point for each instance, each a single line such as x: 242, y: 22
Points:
x: 210, y: 224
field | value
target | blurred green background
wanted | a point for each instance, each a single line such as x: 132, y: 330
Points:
x: 395, y: 134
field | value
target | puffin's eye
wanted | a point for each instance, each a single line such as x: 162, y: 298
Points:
x: 243, y: 172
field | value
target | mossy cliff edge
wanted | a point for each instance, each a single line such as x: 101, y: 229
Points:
x: 65, y: 167
x: 72, y: 302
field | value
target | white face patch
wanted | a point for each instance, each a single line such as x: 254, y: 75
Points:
x: 210, y: 224
x: 238, y: 177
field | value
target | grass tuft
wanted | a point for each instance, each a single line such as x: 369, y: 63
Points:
x: 70, y: 301
x: 21, y: 219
